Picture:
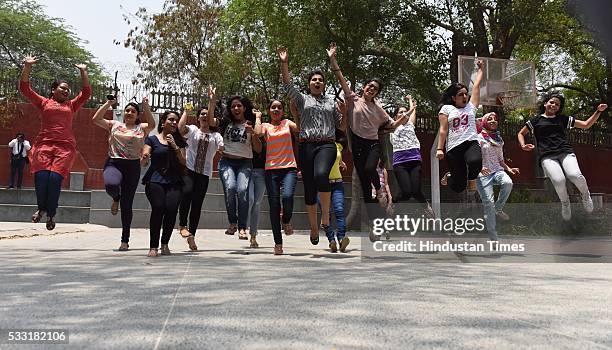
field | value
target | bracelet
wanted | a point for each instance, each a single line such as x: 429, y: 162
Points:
x: 440, y: 149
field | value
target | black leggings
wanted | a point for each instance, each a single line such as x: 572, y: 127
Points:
x: 194, y: 192
x: 316, y: 161
x: 408, y: 175
x: 464, y: 163
x: 366, y: 155
x: 121, y: 180
x: 164, y: 199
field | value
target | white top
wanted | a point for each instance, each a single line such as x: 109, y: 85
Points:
x: 237, y: 141
x: 461, y: 124
x: 201, y: 149
x: 492, y: 156
x: 404, y: 138
x: 14, y: 144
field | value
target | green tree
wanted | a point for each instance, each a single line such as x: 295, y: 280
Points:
x: 26, y: 29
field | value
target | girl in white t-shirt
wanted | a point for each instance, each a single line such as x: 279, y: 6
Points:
x: 458, y: 131
x: 202, y: 145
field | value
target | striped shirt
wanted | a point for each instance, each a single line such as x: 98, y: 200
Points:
x: 279, y: 148
x: 318, y: 115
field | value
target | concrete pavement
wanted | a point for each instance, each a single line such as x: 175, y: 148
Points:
x: 227, y: 296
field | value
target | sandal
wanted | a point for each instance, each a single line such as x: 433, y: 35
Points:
x: 254, y: 243
x: 50, y: 223
x: 444, y: 180
x: 114, y: 208
x: 37, y: 216
x: 165, y: 250
x: 152, y: 253
x: 288, y: 228
x: 278, y: 249
x: 243, y: 234
x: 231, y: 230
x: 191, y: 243
x: 123, y: 247
x: 184, y: 231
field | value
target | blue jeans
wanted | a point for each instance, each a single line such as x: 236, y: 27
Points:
x: 257, y: 189
x: 336, y: 208
x: 280, y: 182
x: 235, y: 175
x: 485, y: 184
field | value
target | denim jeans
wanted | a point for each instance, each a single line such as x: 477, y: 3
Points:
x: 235, y: 175
x: 485, y: 184
x: 280, y: 182
x: 48, y: 186
x: 257, y: 188
x: 336, y: 209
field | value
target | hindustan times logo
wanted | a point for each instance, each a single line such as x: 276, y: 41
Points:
x: 412, y: 225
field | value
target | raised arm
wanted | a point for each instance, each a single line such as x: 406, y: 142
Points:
x: 585, y: 124
x: 85, y: 94
x: 409, y: 115
x: 284, y: 63
x: 212, y: 100
x: 331, y: 52
x: 442, y: 132
x: 98, y: 117
x: 148, y: 121
x: 182, y: 124
x: 258, y: 128
x: 475, y: 99
x: 24, y: 84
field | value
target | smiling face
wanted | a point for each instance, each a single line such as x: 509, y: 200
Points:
x: 203, y: 118
x: 316, y: 84
x: 402, y: 111
x: 490, y: 122
x: 171, y: 123
x: 237, y: 109
x: 461, y: 98
x: 552, y: 106
x: 276, y: 110
x: 371, y: 90
x: 61, y: 92
x: 130, y: 114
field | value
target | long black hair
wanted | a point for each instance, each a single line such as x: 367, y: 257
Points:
x: 449, y: 93
x: 228, y: 117
x: 178, y: 138
x: 547, y: 97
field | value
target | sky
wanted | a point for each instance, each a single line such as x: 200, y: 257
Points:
x: 98, y: 23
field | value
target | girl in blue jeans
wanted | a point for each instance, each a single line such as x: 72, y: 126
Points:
x: 337, y: 199
x: 493, y: 173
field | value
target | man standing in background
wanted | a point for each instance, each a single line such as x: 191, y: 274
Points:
x: 19, y: 148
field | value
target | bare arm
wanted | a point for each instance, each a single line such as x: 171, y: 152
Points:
x: 585, y: 124
x: 24, y: 84
x: 255, y: 141
x: 521, y: 139
x: 149, y: 121
x: 146, y: 156
x: 98, y: 117
x: 331, y: 52
x: 475, y: 99
x: 284, y: 63
x: 182, y: 124
x: 85, y: 94
x: 258, y: 128
x: 212, y: 100
x: 442, y: 132
x: 296, y: 116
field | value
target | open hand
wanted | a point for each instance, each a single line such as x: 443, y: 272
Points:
x: 81, y: 66
x: 282, y: 54
x: 331, y: 52
x: 514, y: 171
x: 212, y: 92
x: 30, y: 60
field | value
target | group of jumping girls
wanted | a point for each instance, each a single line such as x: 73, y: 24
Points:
x: 257, y: 157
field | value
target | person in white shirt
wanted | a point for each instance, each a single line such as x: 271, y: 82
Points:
x: 19, y: 148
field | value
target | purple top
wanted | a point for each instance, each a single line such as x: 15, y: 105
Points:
x: 406, y: 156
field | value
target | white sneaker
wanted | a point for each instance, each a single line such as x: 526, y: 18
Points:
x: 566, y: 211
x: 588, y: 204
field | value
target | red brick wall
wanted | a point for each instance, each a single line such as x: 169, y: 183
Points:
x: 92, y: 147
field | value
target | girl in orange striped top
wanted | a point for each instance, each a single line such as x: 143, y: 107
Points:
x: 281, y: 169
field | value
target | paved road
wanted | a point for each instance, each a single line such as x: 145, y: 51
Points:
x: 227, y: 296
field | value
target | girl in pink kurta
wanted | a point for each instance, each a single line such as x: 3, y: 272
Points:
x: 54, y: 149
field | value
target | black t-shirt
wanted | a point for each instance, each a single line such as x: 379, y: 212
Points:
x: 551, y: 134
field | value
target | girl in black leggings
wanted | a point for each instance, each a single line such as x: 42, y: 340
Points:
x: 407, y: 157
x: 458, y: 131
x: 163, y: 179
